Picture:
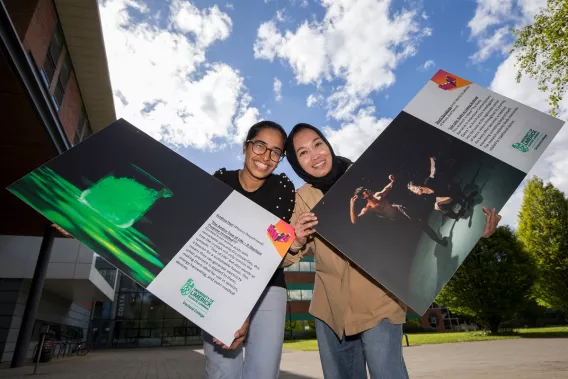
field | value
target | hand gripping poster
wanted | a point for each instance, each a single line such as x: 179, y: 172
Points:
x: 202, y: 248
x: 410, y: 209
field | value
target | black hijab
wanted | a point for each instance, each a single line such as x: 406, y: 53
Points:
x: 338, y: 168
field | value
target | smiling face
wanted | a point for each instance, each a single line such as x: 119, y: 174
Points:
x: 313, y: 153
x: 260, y: 165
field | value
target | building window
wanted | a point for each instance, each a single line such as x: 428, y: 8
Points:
x: 53, y: 52
x: 64, y: 74
x: 299, y: 295
x: 141, y: 320
x: 301, y: 267
x: 83, y: 129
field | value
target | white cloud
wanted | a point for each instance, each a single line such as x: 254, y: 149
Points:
x: 354, y: 137
x: 359, y: 42
x: 498, y: 42
x: 246, y: 117
x: 493, y: 19
x: 488, y: 13
x: 281, y: 15
x: 427, y: 65
x: 530, y: 8
x: 162, y: 81
x: 277, y: 89
x: 553, y: 164
x: 301, y: 3
x: 206, y: 25
x: 230, y: 6
x: 314, y: 99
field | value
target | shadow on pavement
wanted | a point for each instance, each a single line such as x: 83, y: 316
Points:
x: 289, y: 375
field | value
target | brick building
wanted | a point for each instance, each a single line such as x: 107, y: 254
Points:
x: 55, y: 91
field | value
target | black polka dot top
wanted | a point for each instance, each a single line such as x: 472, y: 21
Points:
x: 277, y: 195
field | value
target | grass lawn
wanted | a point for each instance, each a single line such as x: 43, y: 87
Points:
x: 432, y: 338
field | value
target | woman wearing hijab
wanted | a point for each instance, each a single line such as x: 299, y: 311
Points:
x: 358, y: 323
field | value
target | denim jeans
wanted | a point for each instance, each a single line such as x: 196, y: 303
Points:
x: 379, y: 348
x: 263, y: 350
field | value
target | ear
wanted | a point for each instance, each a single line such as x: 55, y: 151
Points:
x: 244, y: 147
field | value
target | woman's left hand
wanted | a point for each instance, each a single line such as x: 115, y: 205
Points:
x: 239, y: 337
x: 492, y: 220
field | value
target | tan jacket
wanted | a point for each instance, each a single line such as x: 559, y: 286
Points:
x: 343, y: 298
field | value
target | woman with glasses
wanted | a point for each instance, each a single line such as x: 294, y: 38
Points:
x: 263, y: 150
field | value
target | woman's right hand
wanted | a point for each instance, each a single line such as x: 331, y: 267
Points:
x: 62, y: 231
x: 304, y: 227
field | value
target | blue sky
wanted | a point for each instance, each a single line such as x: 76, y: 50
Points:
x: 196, y: 74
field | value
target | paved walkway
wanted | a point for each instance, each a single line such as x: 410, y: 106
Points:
x: 514, y: 359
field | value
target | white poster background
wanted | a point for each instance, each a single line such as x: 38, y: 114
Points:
x: 228, y: 312
x: 523, y: 120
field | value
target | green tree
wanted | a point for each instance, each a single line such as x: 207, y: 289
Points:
x: 493, y: 282
x: 543, y: 51
x: 543, y: 230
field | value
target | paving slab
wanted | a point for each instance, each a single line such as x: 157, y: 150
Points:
x: 509, y: 359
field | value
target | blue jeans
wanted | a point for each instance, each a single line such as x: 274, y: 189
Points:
x: 263, y: 350
x: 379, y: 348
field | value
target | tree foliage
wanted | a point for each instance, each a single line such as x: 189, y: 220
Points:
x: 543, y: 230
x: 493, y: 282
x: 543, y: 51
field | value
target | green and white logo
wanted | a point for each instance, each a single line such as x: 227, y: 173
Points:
x: 187, y: 287
x: 533, y: 139
x: 519, y: 146
x: 195, y: 299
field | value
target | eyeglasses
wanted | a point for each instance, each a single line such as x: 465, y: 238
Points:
x: 259, y: 148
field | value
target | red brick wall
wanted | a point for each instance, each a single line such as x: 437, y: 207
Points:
x: 21, y: 13
x: 426, y: 323
x: 298, y: 307
x: 41, y: 30
x: 299, y: 277
x: 71, y: 107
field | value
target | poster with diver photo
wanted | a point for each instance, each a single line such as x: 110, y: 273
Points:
x: 410, y: 209
x: 202, y: 248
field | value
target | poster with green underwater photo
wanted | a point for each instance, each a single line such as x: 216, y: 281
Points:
x: 126, y: 196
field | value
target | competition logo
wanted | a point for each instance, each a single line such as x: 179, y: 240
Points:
x: 281, y: 235
x: 195, y: 300
x: 533, y: 139
x: 449, y: 82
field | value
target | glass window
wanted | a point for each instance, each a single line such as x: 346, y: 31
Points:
x: 65, y: 72
x: 193, y: 331
x: 151, y: 323
x: 305, y: 266
x: 56, y: 44
x: 307, y: 294
x: 172, y: 313
x: 128, y: 285
x: 179, y: 322
x: 58, y: 95
x: 53, y: 52
x: 87, y: 131
x: 152, y: 307
x: 128, y: 305
x: 294, y: 267
x: 49, y: 70
x: 295, y: 295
